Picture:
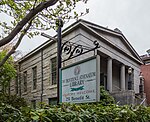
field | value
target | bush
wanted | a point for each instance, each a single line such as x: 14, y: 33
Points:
x: 12, y: 100
x: 10, y: 114
x: 89, y: 113
x: 66, y: 112
x: 105, y: 97
x: 93, y: 112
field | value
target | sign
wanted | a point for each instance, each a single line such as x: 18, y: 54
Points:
x: 79, y: 82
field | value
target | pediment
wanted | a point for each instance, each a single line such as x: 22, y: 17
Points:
x: 113, y: 38
x: 117, y: 41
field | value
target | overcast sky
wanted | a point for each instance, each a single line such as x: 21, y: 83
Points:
x: 132, y: 17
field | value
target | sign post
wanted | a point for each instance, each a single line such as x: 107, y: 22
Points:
x: 59, y: 23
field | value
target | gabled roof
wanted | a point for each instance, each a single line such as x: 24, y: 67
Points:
x: 91, y: 28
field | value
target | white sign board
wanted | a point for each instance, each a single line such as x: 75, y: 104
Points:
x: 79, y: 82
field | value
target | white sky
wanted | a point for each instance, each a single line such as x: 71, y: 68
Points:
x: 132, y: 17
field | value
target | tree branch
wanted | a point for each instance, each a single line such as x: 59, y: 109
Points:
x: 16, y: 45
x: 26, y: 19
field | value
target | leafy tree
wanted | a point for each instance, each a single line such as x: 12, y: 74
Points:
x: 7, y: 71
x: 28, y: 17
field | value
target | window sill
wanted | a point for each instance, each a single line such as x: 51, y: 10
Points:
x: 33, y: 91
x: 24, y: 93
x: 52, y: 86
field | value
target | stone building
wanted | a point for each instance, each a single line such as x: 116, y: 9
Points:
x: 145, y: 69
x: 119, y: 64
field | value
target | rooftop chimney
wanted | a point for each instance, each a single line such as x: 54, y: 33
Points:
x: 148, y: 51
x: 117, y: 30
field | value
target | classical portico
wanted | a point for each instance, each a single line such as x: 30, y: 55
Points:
x: 115, y: 73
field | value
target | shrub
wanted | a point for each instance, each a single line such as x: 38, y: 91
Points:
x: 105, y: 97
x: 89, y: 113
x: 10, y: 114
x: 12, y: 100
x: 93, y: 112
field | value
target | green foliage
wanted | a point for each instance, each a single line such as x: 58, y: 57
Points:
x: 105, y: 97
x: 7, y: 71
x: 13, y: 100
x: 44, y: 20
x: 10, y: 114
x: 10, y: 106
x: 93, y: 112
x: 89, y: 113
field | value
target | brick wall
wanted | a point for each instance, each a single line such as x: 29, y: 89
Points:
x: 145, y: 69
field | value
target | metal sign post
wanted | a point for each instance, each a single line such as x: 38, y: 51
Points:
x: 59, y: 23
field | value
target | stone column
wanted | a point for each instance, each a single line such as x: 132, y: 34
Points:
x: 98, y: 77
x: 109, y: 74
x: 122, y: 77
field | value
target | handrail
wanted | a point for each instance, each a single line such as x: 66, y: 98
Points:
x: 143, y: 101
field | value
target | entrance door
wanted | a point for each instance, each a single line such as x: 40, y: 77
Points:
x: 103, y: 80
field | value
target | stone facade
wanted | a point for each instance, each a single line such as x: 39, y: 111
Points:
x: 116, y: 57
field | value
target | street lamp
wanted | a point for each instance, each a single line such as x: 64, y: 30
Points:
x: 59, y: 24
x: 129, y: 82
x: 48, y: 36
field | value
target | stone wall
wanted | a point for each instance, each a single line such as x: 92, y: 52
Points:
x: 124, y: 97
x: 129, y: 97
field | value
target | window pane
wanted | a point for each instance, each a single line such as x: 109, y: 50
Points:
x: 16, y: 84
x: 34, y: 73
x: 52, y: 101
x: 33, y: 104
x: 25, y: 80
x: 54, y: 70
